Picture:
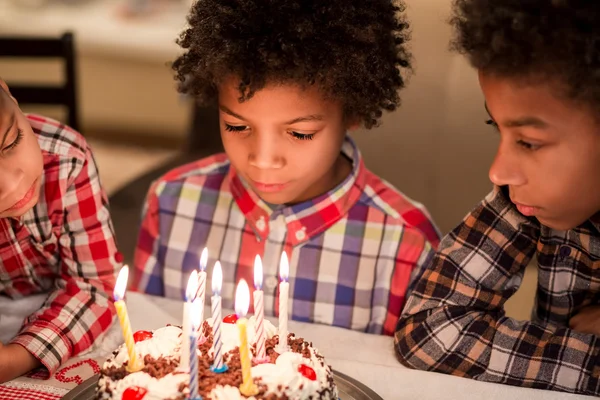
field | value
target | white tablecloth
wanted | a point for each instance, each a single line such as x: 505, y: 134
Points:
x: 367, y: 358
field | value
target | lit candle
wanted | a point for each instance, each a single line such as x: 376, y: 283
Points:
x: 217, y: 281
x: 193, y: 354
x: 242, y: 302
x: 190, y: 295
x: 134, y: 363
x: 259, y: 312
x: 284, y: 289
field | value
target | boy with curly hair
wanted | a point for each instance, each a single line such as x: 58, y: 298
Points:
x: 539, y: 70
x: 290, y: 78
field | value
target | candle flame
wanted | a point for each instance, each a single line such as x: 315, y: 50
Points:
x: 121, y: 285
x: 195, y: 313
x: 284, y: 267
x: 258, y: 273
x: 242, y: 299
x: 203, y: 259
x: 217, y: 278
x: 192, y: 286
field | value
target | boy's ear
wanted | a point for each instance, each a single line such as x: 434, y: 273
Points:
x: 352, y: 124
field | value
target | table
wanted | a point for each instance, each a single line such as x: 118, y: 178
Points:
x: 368, y: 358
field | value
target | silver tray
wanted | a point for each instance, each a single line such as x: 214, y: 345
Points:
x: 349, y: 389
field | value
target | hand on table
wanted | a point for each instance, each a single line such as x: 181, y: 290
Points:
x: 15, y: 361
x: 587, y: 320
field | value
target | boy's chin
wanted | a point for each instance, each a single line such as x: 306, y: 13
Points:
x: 21, y: 211
x: 564, y: 224
x: 275, y: 199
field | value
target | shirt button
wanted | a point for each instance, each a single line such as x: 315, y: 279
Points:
x: 261, y: 224
x: 301, y: 234
x: 565, y: 251
x: 271, y: 282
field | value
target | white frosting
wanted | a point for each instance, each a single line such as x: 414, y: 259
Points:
x: 230, y: 334
x: 164, y: 341
x: 284, y: 374
x: 164, y: 388
x: 280, y: 378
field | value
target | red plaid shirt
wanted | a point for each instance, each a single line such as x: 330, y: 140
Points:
x: 64, y: 246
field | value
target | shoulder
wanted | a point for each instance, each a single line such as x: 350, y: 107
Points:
x: 57, y: 139
x: 205, y: 174
x: 398, y: 209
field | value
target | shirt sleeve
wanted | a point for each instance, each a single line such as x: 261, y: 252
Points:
x: 148, y: 275
x: 455, y: 323
x: 80, y: 308
x: 411, y: 253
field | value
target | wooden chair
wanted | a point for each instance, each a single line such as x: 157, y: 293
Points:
x: 44, y: 94
x: 126, y: 204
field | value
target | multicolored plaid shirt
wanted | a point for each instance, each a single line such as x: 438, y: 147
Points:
x: 352, y: 250
x: 63, y: 246
x: 454, y: 322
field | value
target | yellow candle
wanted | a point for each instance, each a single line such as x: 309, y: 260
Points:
x: 134, y: 363
x: 242, y: 302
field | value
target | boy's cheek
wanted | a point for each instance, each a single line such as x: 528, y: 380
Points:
x: 33, y: 162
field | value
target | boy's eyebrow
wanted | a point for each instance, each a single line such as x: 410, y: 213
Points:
x: 10, y: 125
x: 228, y: 111
x: 520, y: 122
x: 306, y: 118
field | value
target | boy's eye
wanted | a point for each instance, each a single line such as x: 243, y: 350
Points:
x: 492, y: 123
x: 302, y: 136
x: 14, y: 142
x: 528, y: 146
x: 235, y: 128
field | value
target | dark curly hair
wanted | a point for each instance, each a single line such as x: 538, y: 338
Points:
x: 547, y: 40
x: 353, y: 50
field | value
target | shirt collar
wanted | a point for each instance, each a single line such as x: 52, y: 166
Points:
x: 595, y: 220
x: 311, y: 217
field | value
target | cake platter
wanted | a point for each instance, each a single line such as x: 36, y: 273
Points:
x: 348, y: 388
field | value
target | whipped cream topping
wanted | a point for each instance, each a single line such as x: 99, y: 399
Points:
x: 230, y: 334
x: 281, y: 378
x: 165, y: 388
x: 163, y: 343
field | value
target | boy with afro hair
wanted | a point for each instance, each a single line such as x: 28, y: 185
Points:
x: 539, y: 70
x: 290, y: 78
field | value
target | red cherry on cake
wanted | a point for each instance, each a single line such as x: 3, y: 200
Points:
x: 134, y: 393
x: 230, y: 319
x: 140, y: 336
x: 307, y: 372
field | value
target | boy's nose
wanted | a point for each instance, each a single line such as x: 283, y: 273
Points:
x: 505, y: 170
x: 266, y: 153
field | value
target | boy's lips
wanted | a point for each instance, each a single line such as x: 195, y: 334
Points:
x: 528, y: 211
x: 25, y: 199
x: 268, y: 187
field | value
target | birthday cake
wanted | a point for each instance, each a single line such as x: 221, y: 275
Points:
x: 297, y: 374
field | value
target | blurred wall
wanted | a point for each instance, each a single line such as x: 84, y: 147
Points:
x: 436, y: 147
